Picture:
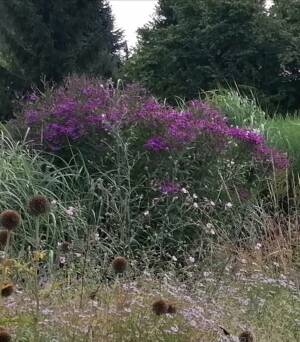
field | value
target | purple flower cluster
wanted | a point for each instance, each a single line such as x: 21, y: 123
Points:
x: 200, y: 121
x: 169, y: 187
x: 156, y: 144
x: 83, y: 108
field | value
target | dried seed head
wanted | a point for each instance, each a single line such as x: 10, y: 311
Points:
x: 65, y: 246
x: 246, y: 336
x: 4, y: 234
x: 171, y: 309
x: 119, y: 264
x: 10, y: 219
x: 7, y: 290
x: 4, y: 336
x: 160, y: 307
x: 38, y: 205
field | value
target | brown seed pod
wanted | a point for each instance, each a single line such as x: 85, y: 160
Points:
x: 4, y: 235
x: 7, y: 290
x: 171, y: 309
x: 38, y: 205
x: 10, y: 219
x: 246, y: 336
x: 4, y: 336
x: 160, y: 307
x: 119, y: 264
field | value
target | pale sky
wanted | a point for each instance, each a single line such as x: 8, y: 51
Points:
x: 132, y: 14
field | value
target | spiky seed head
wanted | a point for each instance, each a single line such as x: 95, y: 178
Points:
x: 38, y: 205
x: 4, y: 234
x: 119, y: 264
x: 246, y: 336
x: 171, y: 309
x: 160, y: 307
x: 10, y: 219
x: 4, y: 335
x: 7, y: 290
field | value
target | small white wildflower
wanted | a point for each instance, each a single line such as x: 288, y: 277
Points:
x: 70, y: 211
x: 212, y: 232
x: 174, y: 329
x: 212, y: 203
x: 258, y: 246
x: 195, y: 205
x: 184, y: 191
x: 191, y: 260
x: 228, y: 205
x: 62, y: 260
x: 146, y: 213
x: 209, y: 225
x: 54, y: 202
x: 174, y: 258
x: 195, y: 196
x: 97, y: 237
x: 78, y: 255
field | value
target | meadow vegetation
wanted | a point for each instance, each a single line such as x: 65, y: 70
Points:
x: 127, y: 219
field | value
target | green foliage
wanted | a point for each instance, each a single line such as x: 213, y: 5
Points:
x: 286, y: 131
x: 242, y: 111
x: 287, y: 13
x: 51, y: 39
x: 197, y: 45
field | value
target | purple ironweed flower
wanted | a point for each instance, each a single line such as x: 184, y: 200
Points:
x: 278, y: 158
x: 65, y: 107
x: 207, y: 112
x: 32, y: 97
x: 156, y: 144
x: 169, y: 187
x: 32, y: 117
x: 246, y: 135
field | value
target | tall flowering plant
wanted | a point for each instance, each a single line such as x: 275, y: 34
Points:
x: 161, y: 168
x: 184, y: 144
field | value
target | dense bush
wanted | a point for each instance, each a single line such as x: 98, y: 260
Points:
x: 158, y: 175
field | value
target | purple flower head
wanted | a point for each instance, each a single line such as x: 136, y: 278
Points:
x: 156, y: 144
x: 246, y: 136
x: 32, y: 117
x: 32, y: 97
x: 207, y: 112
x: 65, y: 107
x: 169, y: 187
x: 277, y: 158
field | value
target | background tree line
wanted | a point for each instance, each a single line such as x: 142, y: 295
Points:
x: 194, y: 45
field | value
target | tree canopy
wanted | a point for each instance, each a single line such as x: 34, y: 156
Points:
x: 194, y: 45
